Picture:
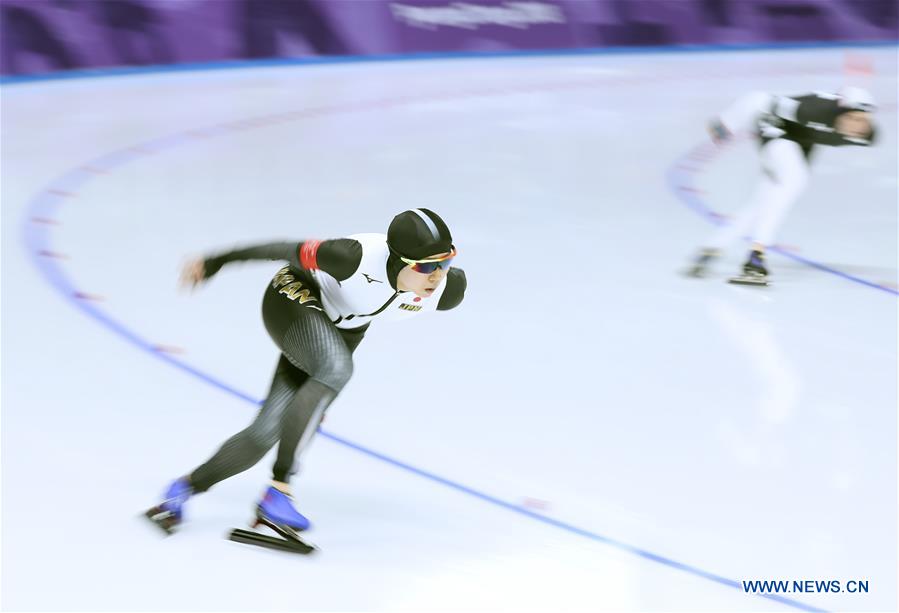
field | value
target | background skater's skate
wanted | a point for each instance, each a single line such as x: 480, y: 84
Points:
x: 700, y: 266
x: 277, y: 513
x: 754, y: 271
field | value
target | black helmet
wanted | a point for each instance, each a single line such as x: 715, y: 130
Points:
x: 415, y: 234
x: 418, y: 233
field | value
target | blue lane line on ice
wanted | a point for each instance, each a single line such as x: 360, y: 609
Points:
x: 680, y: 182
x: 432, y: 55
x: 37, y: 238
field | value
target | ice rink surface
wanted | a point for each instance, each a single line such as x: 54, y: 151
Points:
x: 588, y: 431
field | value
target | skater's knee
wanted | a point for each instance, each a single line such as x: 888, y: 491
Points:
x: 262, y: 435
x: 336, y: 371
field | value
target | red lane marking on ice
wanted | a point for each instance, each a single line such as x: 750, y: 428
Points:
x: 169, y: 349
x: 61, y: 193
x: 45, y: 221
x: 688, y: 188
x: 889, y: 284
x: 535, y: 503
x: 85, y: 296
x: 243, y: 125
x: 53, y: 254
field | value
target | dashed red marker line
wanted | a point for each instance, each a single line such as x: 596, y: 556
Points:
x: 173, y: 349
x: 45, y: 221
x: 91, y: 297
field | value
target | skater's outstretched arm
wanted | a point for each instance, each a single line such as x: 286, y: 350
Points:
x: 740, y: 116
x: 338, y: 257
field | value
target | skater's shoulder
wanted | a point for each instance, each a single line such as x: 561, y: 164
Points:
x: 454, y: 292
x: 340, y: 257
x: 372, y: 246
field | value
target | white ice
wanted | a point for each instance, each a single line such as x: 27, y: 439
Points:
x: 746, y: 433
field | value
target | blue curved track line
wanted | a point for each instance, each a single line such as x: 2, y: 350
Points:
x: 681, y: 183
x: 37, y: 238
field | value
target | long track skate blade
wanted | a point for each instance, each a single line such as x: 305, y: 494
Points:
x: 249, y: 537
x: 162, y: 519
x: 749, y: 280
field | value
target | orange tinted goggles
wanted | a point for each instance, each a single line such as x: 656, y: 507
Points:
x: 429, y: 265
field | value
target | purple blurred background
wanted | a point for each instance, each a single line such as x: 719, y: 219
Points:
x: 49, y: 35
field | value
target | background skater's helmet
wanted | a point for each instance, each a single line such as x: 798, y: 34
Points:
x: 415, y: 234
x: 857, y: 99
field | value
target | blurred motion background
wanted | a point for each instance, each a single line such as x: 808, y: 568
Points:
x: 588, y: 431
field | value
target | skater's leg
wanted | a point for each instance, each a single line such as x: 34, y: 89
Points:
x: 739, y: 226
x: 248, y: 446
x: 748, y: 216
x: 730, y: 232
x: 786, y: 165
x: 313, y: 344
x: 298, y: 427
x: 784, y: 176
x: 316, y: 346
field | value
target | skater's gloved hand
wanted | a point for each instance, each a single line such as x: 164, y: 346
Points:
x: 194, y: 272
x: 719, y: 132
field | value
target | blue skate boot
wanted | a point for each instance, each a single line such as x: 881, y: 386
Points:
x: 276, y: 508
x: 276, y: 511
x: 170, y: 512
